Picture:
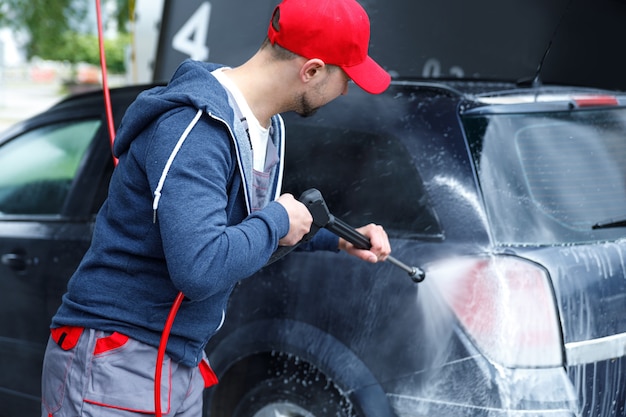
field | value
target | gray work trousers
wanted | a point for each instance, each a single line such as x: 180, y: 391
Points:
x: 91, y: 373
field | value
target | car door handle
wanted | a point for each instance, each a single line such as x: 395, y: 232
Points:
x: 16, y: 261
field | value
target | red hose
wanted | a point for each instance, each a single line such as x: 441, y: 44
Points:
x: 105, y: 83
x: 161, y: 353
x: 179, y: 298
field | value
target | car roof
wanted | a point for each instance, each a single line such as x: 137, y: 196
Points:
x: 93, y: 96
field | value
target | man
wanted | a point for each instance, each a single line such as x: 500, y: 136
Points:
x: 194, y: 206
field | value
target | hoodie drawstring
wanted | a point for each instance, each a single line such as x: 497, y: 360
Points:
x: 157, y: 192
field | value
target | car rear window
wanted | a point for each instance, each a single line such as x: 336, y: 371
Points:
x: 550, y: 178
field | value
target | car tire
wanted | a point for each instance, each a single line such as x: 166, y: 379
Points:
x: 278, y: 385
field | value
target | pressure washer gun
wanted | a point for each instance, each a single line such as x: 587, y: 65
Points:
x: 322, y: 218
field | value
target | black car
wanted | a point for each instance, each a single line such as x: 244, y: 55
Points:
x: 512, y: 199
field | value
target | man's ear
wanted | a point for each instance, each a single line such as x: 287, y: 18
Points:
x: 310, y: 69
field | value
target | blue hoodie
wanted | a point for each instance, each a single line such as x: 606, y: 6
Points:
x: 177, y: 218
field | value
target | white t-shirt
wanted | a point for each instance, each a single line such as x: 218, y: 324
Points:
x: 258, y: 134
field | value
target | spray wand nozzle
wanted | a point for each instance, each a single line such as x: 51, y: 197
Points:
x: 322, y: 217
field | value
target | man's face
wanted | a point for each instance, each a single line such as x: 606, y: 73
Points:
x: 333, y: 84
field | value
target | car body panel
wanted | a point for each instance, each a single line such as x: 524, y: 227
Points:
x: 589, y: 281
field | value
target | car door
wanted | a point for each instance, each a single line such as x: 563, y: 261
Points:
x: 50, y: 179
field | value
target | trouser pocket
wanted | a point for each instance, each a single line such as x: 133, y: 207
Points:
x: 57, y: 365
x: 67, y: 336
x: 122, y: 376
x: 208, y: 376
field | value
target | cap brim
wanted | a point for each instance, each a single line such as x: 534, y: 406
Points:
x: 370, y: 76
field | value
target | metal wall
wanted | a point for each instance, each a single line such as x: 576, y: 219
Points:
x: 488, y: 39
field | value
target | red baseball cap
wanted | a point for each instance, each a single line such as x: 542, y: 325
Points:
x: 335, y: 31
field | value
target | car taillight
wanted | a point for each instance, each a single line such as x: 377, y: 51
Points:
x: 506, y: 306
x: 595, y: 100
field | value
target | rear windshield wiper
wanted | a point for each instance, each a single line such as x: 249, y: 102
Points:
x: 609, y: 223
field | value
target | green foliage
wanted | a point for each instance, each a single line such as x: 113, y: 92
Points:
x: 58, y: 30
x: 74, y: 47
x: 116, y: 53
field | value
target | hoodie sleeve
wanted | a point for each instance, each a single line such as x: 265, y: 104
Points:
x: 207, y: 250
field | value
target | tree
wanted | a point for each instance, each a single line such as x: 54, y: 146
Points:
x: 60, y: 30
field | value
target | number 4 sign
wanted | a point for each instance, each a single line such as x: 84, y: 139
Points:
x: 192, y: 36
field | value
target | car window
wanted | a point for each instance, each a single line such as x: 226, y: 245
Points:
x: 550, y: 177
x: 37, y: 168
x: 359, y: 174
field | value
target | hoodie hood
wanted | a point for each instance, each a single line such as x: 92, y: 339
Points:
x: 191, y: 85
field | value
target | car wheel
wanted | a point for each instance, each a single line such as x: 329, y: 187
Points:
x: 278, y: 385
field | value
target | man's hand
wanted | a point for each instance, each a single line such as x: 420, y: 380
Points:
x: 300, y: 220
x: 380, y: 250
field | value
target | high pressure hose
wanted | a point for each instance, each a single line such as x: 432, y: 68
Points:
x: 105, y: 83
x: 161, y: 352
